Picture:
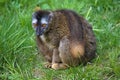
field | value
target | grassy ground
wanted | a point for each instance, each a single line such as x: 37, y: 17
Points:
x: 18, y: 49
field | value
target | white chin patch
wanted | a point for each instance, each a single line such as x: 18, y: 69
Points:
x: 43, y: 21
x: 34, y: 21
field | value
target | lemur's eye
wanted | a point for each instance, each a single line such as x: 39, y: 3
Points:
x: 35, y: 25
x: 44, y: 25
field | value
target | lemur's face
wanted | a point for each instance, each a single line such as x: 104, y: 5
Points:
x: 40, y: 21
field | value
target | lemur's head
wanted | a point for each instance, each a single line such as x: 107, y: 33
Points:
x: 41, y: 20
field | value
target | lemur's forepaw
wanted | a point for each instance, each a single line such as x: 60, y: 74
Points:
x: 47, y: 65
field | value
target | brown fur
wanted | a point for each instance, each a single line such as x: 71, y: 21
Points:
x: 69, y: 40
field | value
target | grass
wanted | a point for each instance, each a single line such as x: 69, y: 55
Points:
x: 18, y: 54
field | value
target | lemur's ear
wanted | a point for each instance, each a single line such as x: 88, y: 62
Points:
x: 37, y: 8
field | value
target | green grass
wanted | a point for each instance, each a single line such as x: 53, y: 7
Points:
x: 18, y: 53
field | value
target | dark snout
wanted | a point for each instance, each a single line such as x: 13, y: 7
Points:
x: 39, y: 31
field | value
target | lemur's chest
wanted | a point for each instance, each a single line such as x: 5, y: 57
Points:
x: 43, y: 38
x: 47, y: 41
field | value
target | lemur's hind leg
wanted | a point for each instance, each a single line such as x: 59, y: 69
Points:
x: 68, y: 53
